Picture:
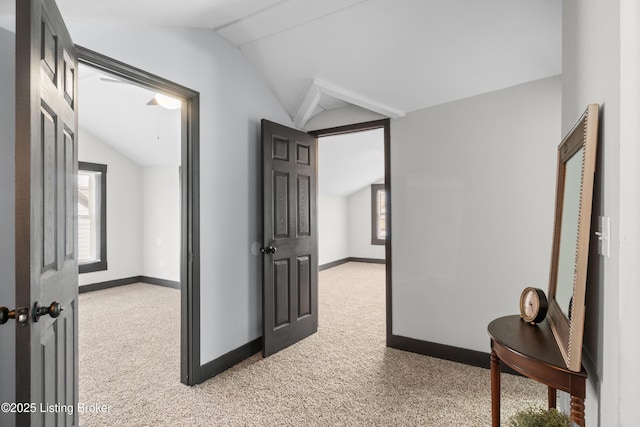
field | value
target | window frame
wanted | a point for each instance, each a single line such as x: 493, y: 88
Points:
x: 101, y: 264
x: 375, y: 189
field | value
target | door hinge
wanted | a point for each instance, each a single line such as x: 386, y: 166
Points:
x: 190, y: 256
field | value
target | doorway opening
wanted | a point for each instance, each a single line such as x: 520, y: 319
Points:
x: 188, y: 195
x: 360, y: 198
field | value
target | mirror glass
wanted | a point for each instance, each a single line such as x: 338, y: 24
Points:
x: 569, y: 231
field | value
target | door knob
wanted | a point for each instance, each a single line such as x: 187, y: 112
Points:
x: 21, y: 315
x: 269, y: 250
x: 53, y: 310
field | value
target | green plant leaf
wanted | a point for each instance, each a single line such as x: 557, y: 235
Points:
x: 539, y: 417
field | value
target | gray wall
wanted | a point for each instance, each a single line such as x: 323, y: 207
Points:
x: 601, y: 64
x: 233, y: 99
x: 161, y: 222
x: 124, y: 210
x: 7, y: 220
x: 473, y: 186
x: 359, y: 205
x: 333, y: 228
x: 344, y: 227
x: 143, y: 215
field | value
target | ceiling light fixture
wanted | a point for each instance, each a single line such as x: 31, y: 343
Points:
x: 165, y: 101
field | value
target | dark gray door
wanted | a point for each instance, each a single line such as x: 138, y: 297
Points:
x: 290, y: 279
x: 46, y: 262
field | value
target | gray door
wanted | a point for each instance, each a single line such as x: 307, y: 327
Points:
x: 290, y: 247
x: 46, y: 262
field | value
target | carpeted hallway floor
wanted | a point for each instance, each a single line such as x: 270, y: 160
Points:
x: 341, y: 376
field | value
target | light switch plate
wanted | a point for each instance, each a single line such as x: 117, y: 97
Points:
x: 604, y: 236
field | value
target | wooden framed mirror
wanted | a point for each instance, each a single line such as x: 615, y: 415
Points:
x: 572, y: 224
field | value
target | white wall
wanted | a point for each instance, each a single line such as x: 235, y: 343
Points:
x: 161, y: 222
x: 333, y: 228
x: 360, y: 226
x: 143, y: 216
x: 124, y: 210
x: 601, y: 63
x: 344, y: 227
x: 233, y: 99
x: 473, y: 186
x: 7, y: 218
x: 629, y: 210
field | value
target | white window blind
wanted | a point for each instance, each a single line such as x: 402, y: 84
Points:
x: 88, y: 219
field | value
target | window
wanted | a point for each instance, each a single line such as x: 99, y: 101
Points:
x: 378, y: 214
x: 92, y: 217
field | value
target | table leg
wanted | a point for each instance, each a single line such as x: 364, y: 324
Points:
x: 552, y: 397
x: 495, y: 389
x: 577, y: 410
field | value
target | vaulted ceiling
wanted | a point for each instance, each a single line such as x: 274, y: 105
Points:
x: 388, y: 56
x: 122, y: 115
x: 349, y: 162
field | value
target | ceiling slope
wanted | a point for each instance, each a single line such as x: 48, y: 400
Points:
x: 413, y: 54
x: 402, y: 55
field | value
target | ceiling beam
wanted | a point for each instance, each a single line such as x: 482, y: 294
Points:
x: 320, y: 87
x: 308, y: 106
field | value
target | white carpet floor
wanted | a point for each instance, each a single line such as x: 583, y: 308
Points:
x: 341, y: 376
